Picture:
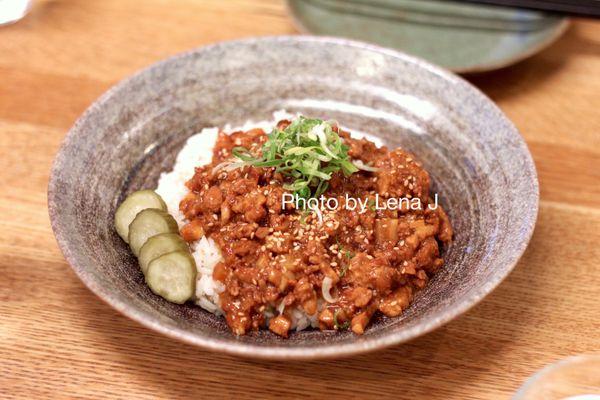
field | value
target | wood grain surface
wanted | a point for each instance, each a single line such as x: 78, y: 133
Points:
x: 57, y: 340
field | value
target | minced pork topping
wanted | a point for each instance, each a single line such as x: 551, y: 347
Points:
x: 343, y: 264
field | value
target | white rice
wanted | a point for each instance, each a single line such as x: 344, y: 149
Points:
x: 198, y: 152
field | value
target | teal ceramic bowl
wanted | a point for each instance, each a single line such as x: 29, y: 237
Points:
x: 464, y: 38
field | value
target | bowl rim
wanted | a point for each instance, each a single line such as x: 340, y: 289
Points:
x: 301, y: 352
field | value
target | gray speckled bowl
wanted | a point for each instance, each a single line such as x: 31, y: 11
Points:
x: 478, y: 161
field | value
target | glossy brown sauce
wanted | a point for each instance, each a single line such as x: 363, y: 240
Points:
x: 375, y: 261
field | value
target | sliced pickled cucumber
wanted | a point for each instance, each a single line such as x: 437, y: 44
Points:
x: 159, y: 245
x: 133, y: 204
x: 173, y: 276
x: 147, y: 223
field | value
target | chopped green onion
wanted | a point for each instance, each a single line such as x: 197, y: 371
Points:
x: 361, y: 165
x: 344, y: 270
x: 372, y: 205
x: 349, y: 255
x: 336, y: 324
x: 309, y: 151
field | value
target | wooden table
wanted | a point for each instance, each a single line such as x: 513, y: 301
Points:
x: 58, y: 340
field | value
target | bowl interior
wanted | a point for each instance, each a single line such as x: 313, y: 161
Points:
x: 478, y: 162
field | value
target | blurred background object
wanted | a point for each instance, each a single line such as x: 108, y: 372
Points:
x: 13, y: 10
x: 460, y: 36
x: 574, y: 378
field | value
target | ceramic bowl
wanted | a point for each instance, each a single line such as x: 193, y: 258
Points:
x: 479, y: 164
x: 463, y: 37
